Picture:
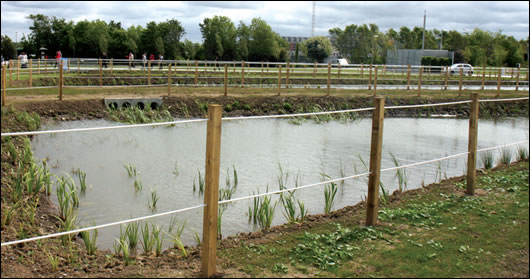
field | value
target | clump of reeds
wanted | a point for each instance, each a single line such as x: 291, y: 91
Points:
x: 147, y: 240
x: 82, y: 180
x: 153, y: 200
x: 175, y: 235
x: 262, y: 210
x: 137, y: 185
x: 226, y: 194
x: 158, y: 239
x: 506, y: 156
x: 401, y: 174
x: 90, y: 242
x: 131, y: 170
x: 330, y: 191
x: 487, y: 158
x: 132, y: 234
x: 522, y: 153
x: 201, y: 184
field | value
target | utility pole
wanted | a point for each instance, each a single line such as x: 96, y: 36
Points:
x: 423, y: 39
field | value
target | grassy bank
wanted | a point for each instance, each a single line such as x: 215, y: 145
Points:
x: 435, y: 231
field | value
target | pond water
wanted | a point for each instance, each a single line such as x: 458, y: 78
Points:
x: 256, y: 148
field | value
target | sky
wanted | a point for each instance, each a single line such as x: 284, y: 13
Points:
x: 285, y: 18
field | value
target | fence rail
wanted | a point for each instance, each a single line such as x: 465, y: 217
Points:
x: 212, y: 174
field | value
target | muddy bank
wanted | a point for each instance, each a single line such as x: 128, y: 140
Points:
x: 196, y: 107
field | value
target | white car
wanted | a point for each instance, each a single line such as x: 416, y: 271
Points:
x: 466, y: 69
x: 340, y: 61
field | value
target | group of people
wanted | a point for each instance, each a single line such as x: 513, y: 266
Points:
x: 152, y: 58
x: 23, y: 58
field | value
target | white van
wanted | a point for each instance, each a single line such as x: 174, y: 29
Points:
x: 340, y: 61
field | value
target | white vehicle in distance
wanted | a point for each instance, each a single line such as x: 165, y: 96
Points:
x: 466, y: 69
x: 340, y: 61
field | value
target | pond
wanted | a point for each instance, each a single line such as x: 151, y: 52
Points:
x: 168, y: 159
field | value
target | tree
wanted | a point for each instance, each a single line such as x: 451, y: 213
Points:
x: 171, y: 32
x: 8, y: 48
x: 243, y: 41
x: 317, y: 48
x: 219, y: 35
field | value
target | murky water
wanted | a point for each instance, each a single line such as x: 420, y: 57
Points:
x: 256, y: 148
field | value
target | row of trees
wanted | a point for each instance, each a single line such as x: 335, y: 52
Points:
x: 222, y: 40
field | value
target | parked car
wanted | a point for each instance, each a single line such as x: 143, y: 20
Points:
x: 340, y: 61
x: 466, y: 69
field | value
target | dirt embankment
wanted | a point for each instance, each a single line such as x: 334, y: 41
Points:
x: 195, y: 107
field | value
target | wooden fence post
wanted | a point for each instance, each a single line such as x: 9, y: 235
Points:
x: 472, y: 145
x: 483, y: 77
x: 287, y: 78
x: 78, y: 65
x: 226, y: 80
x: 446, y: 76
x: 375, y: 81
x: 196, y: 71
x: 30, y: 72
x: 18, y: 69
x: 315, y: 69
x: 60, y: 82
x: 460, y: 82
x: 68, y: 61
x: 517, y: 81
x: 279, y: 78
x: 408, y: 76
x: 38, y: 66
x: 111, y: 65
x: 169, y: 79
x: 329, y: 79
x: 211, y: 195
x: 419, y: 81
x: 499, y: 83
x: 242, y: 74
x: 339, y: 71
x: 4, y: 81
x: 370, y: 78
x: 100, y: 72
x: 149, y: 72
x: 362, y: 70
x: 372, y: 201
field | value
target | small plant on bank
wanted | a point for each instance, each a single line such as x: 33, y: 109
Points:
x: 401, y: 174
x: 147, y: 240
x: 522, y: 153
x: 506, y: 156
x: 487, y: 158
x: 154, y: 200
x: 90, y: 242
x: 330, y: 191
x: 132, y: 234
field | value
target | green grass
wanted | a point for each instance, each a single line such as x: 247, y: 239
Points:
x: 435, y: 232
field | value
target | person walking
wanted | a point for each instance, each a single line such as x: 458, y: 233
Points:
x: 152, y: 58
x: 160, y: 58
x: 104, y: 60
x: 58, y: 56
x: 144, y: 60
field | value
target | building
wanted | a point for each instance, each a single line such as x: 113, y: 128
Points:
x: 413, y: 56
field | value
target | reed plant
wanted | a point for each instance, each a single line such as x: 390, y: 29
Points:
x: 385, y: 194
x: 90, y: 242
x: 147, y: 240
x: 266, y: 212
x: 154, y: 200
x: 132, y: 234
x: 201, y: 184
x: 18, y: 189
x: 487, y: 158
x: 401, y: 174
x: 67, y: 224
x: 522, y: 153
x: 506, y: 156
x: 124, y: 247
x: 138, y: 185
x: 131, y: 170
x: 82, y: 180
x: 197, y: 238
x: 158, y: 238
x: 54, y: 261
x: 8, y: 214
x: 175, y: 236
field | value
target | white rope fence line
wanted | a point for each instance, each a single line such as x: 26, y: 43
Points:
x: 102, y: 128
x: 428, y: 105
x: 296, y: 188
x: 502, y: 100
x: 501, y: 146
x: 101, y: 226
x: 244, y: 198
x: 295, y: 114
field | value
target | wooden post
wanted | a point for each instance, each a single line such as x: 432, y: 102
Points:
x: 446, y: 76
x: 329, y: 78
x: 149, y: 72
x: 287, y: 78
x: 4, y: 81
x: 242, y: 74
x: 30, y: 72
x: 362, y: 70
x: 472, y: 145
x: 45, y: 67
x: 408, y: 76
x: 169, y: 80
x: 511, y: 70
x: 372, y: 201
x: 60, y: 82
x: 267, y: 66
x: 111, y: 64
x: 78, y: 64
x: 499, y: 83
x: 68, y: 65
x: 18, y: 69
x: 517, y: 81
x: 226, y: 80
x: 315, y: 69
x: 279, y: 78
x: 460, y: 82
x: 261, y: 68
x: 38, y: 66
x: 196, y: 71
x: 205, y: 66
x: 375, y: 81
x: 211, y: 194
x: 483, y: 77
x: 370, y: 78
x: 339, y: 71
x: 100, y: 72
x: 419, y: 81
